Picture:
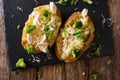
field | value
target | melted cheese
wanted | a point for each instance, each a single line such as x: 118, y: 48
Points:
x: 42, y: 44
x: 84, y: 12
x: 71, y: 41
x: 86, y: 32
x: 43, y: 47
x: 70, y: 29
x: 84, y: 21
x: 29, y: 39
x: 52, y: 21
x: 38, y: 37
x: 53, y: 7
x: 36, y: 20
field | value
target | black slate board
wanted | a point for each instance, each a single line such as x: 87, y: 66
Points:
x: 13, y: 16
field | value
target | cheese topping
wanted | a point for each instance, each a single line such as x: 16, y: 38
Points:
x: 36, y: 20
x: 74, y: 35
x: 84, y: 12
x: 47, y: 24
x: 29, y: 39
x: 70, y: 42
x: 43, y: 47
x: 53, y: 8
x: 52, y: 21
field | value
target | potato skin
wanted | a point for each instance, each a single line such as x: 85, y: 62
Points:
x: 29, y: 21
x: 59, y: 43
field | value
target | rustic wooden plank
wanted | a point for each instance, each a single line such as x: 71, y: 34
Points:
x: 5, y: 72
x: 54, y: 72
x: 76, y: 71
x: 69, y: 71
x: 29, y: 74
x: 3, y: 63
x: 109, y: 67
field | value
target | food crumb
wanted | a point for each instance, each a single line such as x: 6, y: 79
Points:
x: 118, y: 27
x: 18, y: 27
x: 93, y: 11
x: 12, y: 15
x: 36, y: 1
x: 35, y: 59
x: 106, y: 20
x: 83, y: 73
x: 57, y: 71
x: 19, y: 8
x: 109, y: 62
x: 76, y: 9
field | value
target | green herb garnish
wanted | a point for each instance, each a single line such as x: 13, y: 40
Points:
x: 88, y: 1
x: 75, y: 53
x: 30, y: 49
x: 77, y: 24
x: 45, y: 13
x: 94, y: 75
x: 64, y: 33
x: 62, y: 2
x: 97, y: 52
x: 20, y: 63
x: 46, y: 28
x: 31, y: 28
x: 73, y: 2
x: 77, y: 33
x: 48, y: 32
x: 18, y: 27
x: 14, y: 72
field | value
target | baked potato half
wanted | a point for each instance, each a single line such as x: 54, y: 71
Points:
x: 41, y: 28
x: 75, y: 36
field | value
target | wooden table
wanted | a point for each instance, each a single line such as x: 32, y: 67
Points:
x: 108, y: 67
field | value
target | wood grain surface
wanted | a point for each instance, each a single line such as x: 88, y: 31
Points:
x: 107, y: 67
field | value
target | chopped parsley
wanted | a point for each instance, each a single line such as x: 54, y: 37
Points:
x: 77, y: 33
x: 30, y: 49
x: 77, y: 24
x: 94, y: 75
x: 31, y: 28
x: 48, y: 31
x: 96, y: 50
x: 88, y: 1
x: 64, y: 2
x: 64, y: 33
x: 73, y: 2
x: 18, y: 27
x: 75, y: 53
x: 20, y: 63
x: 45, y: 12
